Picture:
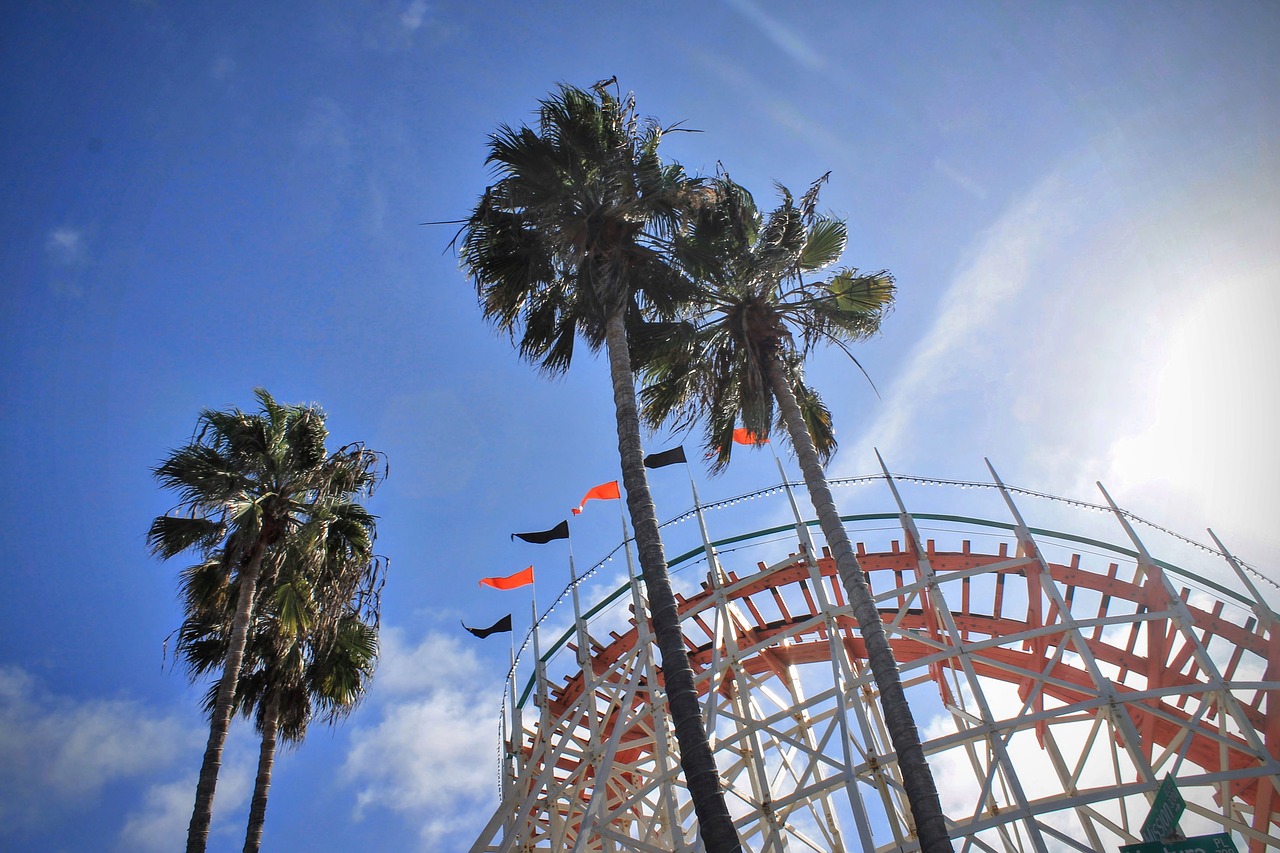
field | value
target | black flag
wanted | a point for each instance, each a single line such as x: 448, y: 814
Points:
x: 666, y: 457
x: 502, y: 626
x: 560, y: 531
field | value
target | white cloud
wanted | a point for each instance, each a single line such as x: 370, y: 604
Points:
x: 61, y: 756
x: 65, y: 245
x: 434, y: 664
x: 414, y: 14
x: 66, y: 250
x: 160, y: 824
x: 959, y: 178
x: 785, y: 38
x: 408, y: 25
x: 56, y: 750
x: 959, y: 784
x: 433, y: 755
x: 961, y: 345
x: 1100, y: 332
x: 1204, y: 451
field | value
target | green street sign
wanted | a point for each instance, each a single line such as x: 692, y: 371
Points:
x: 1219, y: 843
x: 1165, y: 811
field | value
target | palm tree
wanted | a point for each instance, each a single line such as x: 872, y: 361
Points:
x: 738, y: 356
x: 569, y: 241
x: 248, y: 485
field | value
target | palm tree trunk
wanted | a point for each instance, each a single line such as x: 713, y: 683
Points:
x: 198, y: 830
x: 922, y: 794
x: 261, y: 785
x: 697, y: 761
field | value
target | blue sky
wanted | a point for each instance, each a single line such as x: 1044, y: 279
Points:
x: 1080, y: 202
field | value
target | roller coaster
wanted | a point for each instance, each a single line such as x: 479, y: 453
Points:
x: 1057, y: 679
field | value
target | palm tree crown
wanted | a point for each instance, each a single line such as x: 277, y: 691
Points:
x: 573, y: 230
x: 754, y: 305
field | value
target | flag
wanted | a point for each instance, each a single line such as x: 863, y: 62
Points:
x: 524, y: 577
x: 746, y: 436
x: 603, y: 492
x: 502, y: 626
x: 560, y: 531
x: 666, y: 457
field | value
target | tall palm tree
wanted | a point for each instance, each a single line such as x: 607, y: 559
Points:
x: 570, y: 241
x: 248, y: 484
x: 738, y: 355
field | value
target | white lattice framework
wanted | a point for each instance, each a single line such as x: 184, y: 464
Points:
x: 1063, y: 678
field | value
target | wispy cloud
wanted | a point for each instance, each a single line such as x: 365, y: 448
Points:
x: 960, y: 179
x: 779, y: 108
x: 160, y: 823
x: 433, y: 755
x: 1201, y: 451
x: 1098, y: 332
x: 408, y: 25
x: 57, y: 751
x: 65, y: 246
x: 414, y: 15
x: 66, y: 250
x: 786, y: 39
x: 971, y: 317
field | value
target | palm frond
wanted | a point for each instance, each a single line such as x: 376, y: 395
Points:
x: 824, y: 244
x: 170, y: 535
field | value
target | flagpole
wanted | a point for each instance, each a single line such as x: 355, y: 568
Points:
x: 504, y: 740
x: 720, y: 627
x: 580, y: 627
x: 511, y: 688
x: 626, y: 541
x: 515, y: 739
x: 802, y: 529
x: 573, y: 584
x: 713, y: 561
x: 538, y: 698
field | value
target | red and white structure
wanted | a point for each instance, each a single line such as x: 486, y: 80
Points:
x: 1056, y: 679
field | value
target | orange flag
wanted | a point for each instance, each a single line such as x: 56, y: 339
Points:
x: 746, y: 436
x: 603, y: 492
x: 524, y: 577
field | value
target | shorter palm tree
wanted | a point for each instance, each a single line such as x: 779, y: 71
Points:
x: 250, y: 486
x: 737, y: 357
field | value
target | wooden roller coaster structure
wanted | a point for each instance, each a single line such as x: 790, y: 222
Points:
x: 1056, y: 680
